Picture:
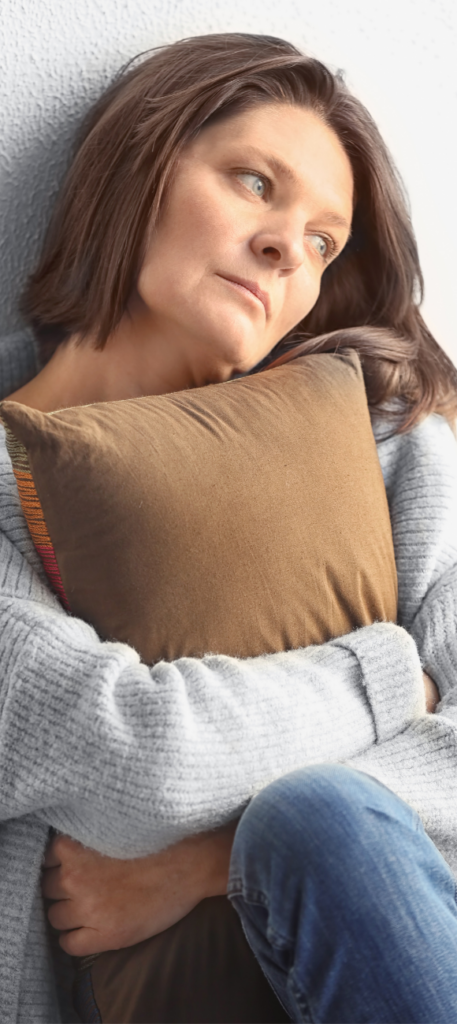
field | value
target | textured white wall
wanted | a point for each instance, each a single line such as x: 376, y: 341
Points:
x: 400, y: 57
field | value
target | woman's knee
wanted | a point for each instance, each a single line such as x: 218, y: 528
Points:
x: 305, y: 816
x: 330, y: 869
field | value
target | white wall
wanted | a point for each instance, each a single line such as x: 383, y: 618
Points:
x: 400, y: 57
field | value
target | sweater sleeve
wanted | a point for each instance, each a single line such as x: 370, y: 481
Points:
x: 420, y: 763
x: 128, y: 758
x: 420, y: 766
x: 420, y: 475
x: 422, y: 491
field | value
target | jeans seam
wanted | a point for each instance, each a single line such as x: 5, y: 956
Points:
x: 250, y: 895
x: 258, y: 898
x: 302, y: 1002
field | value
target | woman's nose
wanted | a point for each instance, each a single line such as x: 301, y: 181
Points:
x: 281, y: 244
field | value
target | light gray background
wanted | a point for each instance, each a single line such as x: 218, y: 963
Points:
x: 400, y: 58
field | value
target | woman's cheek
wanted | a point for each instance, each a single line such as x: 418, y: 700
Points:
x: 301, y: 303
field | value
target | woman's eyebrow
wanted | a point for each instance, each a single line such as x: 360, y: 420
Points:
x: 334, y: 218
x: 275, y: 164
x: 284, y: 171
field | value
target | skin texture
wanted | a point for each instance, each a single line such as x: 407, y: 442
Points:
x: 266, y: 197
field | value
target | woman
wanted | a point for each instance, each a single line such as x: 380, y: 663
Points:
x: 205, y: 221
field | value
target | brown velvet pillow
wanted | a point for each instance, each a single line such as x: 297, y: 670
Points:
x: 240, y: 518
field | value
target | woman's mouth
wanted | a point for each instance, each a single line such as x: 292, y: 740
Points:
x: 250, y: 288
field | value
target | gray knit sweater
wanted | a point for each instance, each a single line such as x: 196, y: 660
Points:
x: 127, y: 758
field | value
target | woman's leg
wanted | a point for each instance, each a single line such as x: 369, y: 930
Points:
x: 346, y: 902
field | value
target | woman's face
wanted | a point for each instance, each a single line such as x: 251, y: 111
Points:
x: 260, y: 204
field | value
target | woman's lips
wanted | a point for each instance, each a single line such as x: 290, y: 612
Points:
x: 250, y: 286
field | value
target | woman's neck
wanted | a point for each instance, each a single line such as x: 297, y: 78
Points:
x: 134, y: 362
x: 75, y: 375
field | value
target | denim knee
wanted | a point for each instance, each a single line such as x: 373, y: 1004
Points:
x: 345, y: 900
x: 312, y: 819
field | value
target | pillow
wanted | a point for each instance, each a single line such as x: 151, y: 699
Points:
x: 240, y: 518
x: 200, y: 969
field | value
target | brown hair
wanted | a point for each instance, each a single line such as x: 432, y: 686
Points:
x: 125, y: 156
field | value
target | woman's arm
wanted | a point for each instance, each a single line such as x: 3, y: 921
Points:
x: 420, y: 764
x: 420, y: 475
x: 435, y: 632
x: 129, y: 759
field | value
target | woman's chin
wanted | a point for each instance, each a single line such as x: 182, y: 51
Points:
x: 243, y: 357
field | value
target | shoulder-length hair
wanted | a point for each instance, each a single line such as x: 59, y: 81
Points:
x: 126, y: 153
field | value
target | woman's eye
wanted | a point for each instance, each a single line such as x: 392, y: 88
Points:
x: 321, y: 244
x: 257, y: 185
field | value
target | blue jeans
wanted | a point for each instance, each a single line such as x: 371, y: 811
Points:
x: 346, y: 902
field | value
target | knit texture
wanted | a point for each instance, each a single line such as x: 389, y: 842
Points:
x: 128, y: 759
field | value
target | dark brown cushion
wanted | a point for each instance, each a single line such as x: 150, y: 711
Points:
x: 199, y: 971
x: 241, y: 518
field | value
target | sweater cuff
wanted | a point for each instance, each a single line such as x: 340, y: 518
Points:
x: 392, y: 675
x: 435, y: 632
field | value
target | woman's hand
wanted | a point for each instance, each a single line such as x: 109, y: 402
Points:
x: 103, y: 903
x: 432, y: 696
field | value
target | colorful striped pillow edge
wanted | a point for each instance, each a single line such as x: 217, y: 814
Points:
x: 33, y: 512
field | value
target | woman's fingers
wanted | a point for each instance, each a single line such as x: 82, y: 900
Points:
x: 51, y: 857
x: 61, y: 848
x: 71, y: 874
x: 64, y: 915
x: 51, y: 885
x: 81, y: 942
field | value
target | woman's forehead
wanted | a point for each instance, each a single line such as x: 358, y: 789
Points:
x: 293, y: 144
